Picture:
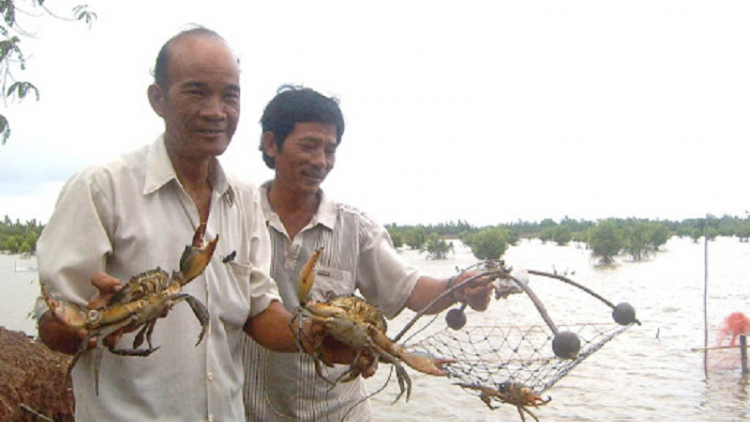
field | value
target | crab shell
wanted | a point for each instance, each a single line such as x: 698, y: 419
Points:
x: 361, y: 326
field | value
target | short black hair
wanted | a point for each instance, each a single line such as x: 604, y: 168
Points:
x: 297, y: 104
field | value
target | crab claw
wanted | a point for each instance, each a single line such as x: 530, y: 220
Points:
x: 307, y: 276
x: 421, y: 362
x: 195, y: 258
x: 425, y: 364
x: 64, y: 312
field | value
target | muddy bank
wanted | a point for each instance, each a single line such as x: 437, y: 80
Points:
x: 32, y: 379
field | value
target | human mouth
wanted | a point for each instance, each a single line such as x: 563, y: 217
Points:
x: 210, y: 131
x: 314, y: 177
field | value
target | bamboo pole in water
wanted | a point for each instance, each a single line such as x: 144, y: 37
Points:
x: 743, y: 353
x: 705, y: 299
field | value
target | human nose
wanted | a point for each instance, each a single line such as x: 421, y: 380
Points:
x: 213, y: 108
x: 319, y: 157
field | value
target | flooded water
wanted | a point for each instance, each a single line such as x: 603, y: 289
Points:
x: 19, y: 287
x: 649, y: 373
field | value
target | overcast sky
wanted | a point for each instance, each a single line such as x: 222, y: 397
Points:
x: 484, y: 111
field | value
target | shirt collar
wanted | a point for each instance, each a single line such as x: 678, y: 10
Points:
x: 159, y: 171
x: 325, y: 215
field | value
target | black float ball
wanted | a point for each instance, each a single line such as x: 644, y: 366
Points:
x: 456, y: 319
x: 624, y: 314
x: 566, y: 345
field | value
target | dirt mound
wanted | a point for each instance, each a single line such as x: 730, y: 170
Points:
x: 32, y: 379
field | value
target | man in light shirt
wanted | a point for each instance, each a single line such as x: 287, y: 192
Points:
x: 137, y: 213
x: 301, y: 131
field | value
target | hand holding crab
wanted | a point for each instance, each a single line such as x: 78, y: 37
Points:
x: 135, y: 306
x: 360, y: 327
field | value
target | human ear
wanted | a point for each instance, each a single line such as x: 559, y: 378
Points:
x: 268, y: 141
x: 156, y: 96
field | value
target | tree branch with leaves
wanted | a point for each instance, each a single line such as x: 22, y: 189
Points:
x: 12, y: 58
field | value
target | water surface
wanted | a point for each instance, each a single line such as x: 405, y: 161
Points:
x: 650, y: 373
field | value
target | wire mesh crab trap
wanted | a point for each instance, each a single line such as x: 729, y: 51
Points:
x: 515, y: 364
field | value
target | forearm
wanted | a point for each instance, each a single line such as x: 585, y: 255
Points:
x: 271, y: 329
x: 426, y: 290
x: 476, y: 294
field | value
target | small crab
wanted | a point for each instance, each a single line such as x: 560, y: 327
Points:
x: 362, y: 327
x: 511, y: 393
x: 138, y: 304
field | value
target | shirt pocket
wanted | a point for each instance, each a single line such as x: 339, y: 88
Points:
x: 236, y: 294
x: 331, y: 281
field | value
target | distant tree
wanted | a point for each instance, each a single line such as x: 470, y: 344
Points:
x: 658, y: 235
x: 605, y: 240
x: 635, y: 237
x: 17, y: 237
x: 415, y: 237
x: 743, y: 231
x: 12, y: 57
x: 710, y: 232
x: 397, y: 237
x: 561, y: 235
x: 488, y: 243
x: 436, y: 247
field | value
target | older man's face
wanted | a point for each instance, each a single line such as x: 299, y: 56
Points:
x: 201, y: 105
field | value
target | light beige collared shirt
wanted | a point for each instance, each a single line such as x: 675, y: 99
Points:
x: 133, y: 215
x: 358, y: 256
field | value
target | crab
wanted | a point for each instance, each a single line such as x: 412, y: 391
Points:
x: 138, y: 305
x: 510, y: 392
x: 360, y: 326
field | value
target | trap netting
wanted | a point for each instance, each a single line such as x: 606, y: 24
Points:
x: 490, y: 355
x: 532, y: 356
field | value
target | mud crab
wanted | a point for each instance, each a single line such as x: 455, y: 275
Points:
x: 511, y: 393
x: 360, y: 326
x: 138, y: 304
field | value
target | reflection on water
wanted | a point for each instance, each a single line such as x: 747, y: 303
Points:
x: 649, y: 373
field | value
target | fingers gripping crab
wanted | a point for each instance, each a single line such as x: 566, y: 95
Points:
x: 139, y: 304
x: 360, y: 326
x: 511, y: 393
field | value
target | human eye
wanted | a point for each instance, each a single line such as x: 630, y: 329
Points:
x: 194, y: 90
x: 232, y: 95
x: 309, y: 145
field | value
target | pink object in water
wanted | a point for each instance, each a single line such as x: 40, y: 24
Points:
x: 737, y: 324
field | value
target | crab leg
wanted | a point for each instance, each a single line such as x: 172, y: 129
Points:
x: 404, y: 381
x: 199, y: 310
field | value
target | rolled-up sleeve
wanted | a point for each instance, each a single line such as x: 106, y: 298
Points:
x: 385, y: 278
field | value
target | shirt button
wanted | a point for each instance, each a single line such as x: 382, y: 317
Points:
x: 210, y: 376
x: 210, y: 418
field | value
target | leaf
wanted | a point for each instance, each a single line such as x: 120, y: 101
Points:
x: 21, y: 89
x: 8, y: 10
x: 7, y: 47
x: 4, y: 128
x: 82, y: 14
